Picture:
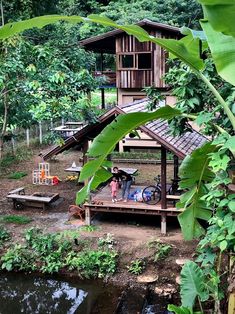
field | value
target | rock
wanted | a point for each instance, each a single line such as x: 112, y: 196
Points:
x: 165, y: 291
x: 147, y: 278
x: 158, y: 290
x: 177, y: 280
x: 181, y: 261
x: 169, y: 291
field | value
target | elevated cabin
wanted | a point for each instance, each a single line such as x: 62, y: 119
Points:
x: 138, y: 64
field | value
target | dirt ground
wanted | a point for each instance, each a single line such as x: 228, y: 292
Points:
x: 131, y: 232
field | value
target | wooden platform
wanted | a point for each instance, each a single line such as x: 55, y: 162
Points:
x: 101, y: 202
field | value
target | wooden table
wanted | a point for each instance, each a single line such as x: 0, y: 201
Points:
x: 131, y: 171
x: 74, y: 169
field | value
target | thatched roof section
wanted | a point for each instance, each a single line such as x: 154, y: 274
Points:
x: 158, y: 130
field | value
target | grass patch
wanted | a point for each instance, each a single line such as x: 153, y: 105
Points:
x: 17, y: 175
x: 16, y: 219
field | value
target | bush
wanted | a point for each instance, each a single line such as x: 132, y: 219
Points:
x: 93, y: 264
x: 136, y: 267
x: 4, y: 235
x: 161, y: 250
x: 18, y: 258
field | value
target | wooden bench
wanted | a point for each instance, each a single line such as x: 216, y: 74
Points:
x: 18, y: 191
x: 34, y: 200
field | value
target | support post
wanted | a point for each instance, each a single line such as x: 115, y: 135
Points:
x: 88, y: 216
x: 102, y: 98
x: 27, y: 137
x: 176, y: 167
x: 163, y: 178
x: 163, y: 223
x: 163, y: 191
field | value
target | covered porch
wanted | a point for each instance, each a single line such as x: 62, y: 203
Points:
x: 101, y: 202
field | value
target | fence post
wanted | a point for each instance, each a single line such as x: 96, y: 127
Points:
x: 27, y: 137
x: 40, y: 131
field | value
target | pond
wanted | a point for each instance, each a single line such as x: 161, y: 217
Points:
x: 39, y: 295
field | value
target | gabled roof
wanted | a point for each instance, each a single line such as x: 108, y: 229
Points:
x: 106, y: 42
x: 158, y: 130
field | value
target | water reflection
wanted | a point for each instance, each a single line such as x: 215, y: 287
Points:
x: 26, y: 294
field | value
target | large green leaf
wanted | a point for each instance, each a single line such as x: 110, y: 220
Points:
x: 220, y: 14
x: 13, y: 28
x: 194, y: 168
x: 222, y: 48
x: 195, y: 173
x: 192, y: 285
x: 105, y: 142
x: 101, y: 175
x: 188, y: 54
x: 179, y: 309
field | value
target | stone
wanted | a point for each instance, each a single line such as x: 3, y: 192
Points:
x: 177, y: 280
x: 147, y: 278
x: 181, y: 261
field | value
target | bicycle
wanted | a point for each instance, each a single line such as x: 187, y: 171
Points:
x: 152, y: 194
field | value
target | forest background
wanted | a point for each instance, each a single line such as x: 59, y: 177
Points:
x: 45, y: 76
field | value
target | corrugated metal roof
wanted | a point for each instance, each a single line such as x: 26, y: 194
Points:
x: 158, y: 130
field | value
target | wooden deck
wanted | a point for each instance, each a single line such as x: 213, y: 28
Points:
x: 101, y: 202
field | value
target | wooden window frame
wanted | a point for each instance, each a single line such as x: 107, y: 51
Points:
x: 120, y: 67
x: 135, y: 60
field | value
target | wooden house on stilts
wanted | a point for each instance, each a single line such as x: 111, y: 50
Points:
x: 138, y: 65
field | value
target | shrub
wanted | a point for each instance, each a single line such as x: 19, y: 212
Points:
x: 107, y: 241
x: 93, y: 264
x: 161, y: 250
x: 136, y: 267
x: 4, y: 235
x: 18, y: 258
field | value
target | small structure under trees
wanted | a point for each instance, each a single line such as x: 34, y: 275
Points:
x: 159, y: 131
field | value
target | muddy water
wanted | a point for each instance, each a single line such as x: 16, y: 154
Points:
x: 28, y: 294
x: 35, y: 295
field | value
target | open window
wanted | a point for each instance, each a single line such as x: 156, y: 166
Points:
x: 144, y: 61
x: 135, y: 61
x: 126, y: 61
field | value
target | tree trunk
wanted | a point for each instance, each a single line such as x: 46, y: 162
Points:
x: 1, y: 147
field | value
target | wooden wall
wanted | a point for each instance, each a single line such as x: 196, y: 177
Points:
x: 136, y: 78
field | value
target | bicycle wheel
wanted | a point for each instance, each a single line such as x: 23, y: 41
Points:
x: 151, y: 195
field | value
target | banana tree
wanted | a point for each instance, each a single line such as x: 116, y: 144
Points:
x: 220, y: 39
